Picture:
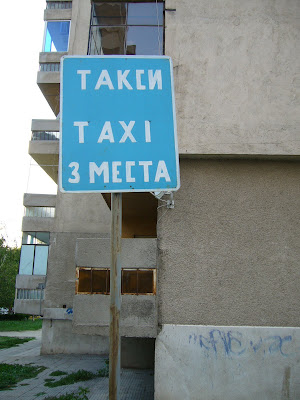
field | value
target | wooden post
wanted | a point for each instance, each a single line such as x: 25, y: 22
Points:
x: 115, y: 297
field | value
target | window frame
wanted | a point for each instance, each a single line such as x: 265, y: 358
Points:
x: 45, y: 35
x: 126, y: 25
x: 35, y: 243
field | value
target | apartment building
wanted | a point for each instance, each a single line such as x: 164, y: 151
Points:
x: 209, y: 287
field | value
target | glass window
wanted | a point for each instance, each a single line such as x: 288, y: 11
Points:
x: 140, y: 40
x: 126, y: 28
x: 56, y: 36
x: 145, y: 14
x: 40, y: 260
x: 36, y: 238
x: 34, y: 253
x: 109, y: 14
x: 26, y: 260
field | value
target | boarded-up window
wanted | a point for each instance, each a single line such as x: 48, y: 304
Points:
x: 100, y: 281
x: 85, y: 281
x: 133, y: 281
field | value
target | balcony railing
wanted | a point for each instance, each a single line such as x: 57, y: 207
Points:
x: 41, y: 212
x: 62, y: 5
x: 44, y: 135
x: 50, y: 67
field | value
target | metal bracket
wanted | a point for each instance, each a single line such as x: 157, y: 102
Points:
x: 168, y: 203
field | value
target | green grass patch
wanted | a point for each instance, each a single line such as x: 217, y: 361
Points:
x: 81, y: 394
x: 18, y: 326
x: 78, y: 376
x: 6, y: 342
x: 58, y: 373
x: 74, y: 377
x: 11, y: 374
x: 40, y: 394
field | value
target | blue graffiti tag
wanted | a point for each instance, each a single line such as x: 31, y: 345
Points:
x: 233, y: 343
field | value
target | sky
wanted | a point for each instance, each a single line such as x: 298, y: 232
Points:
x: 21, y: 101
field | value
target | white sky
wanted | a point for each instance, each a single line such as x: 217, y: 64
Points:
x: 21, y: 33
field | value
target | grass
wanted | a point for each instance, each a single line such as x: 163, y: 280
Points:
x: 11, y: 374
x: 58, y: 373
x: 77, y: 376
x: 7, y: 342
x: 74, y: 377
x: 79, y: 395
x: 18, y: 326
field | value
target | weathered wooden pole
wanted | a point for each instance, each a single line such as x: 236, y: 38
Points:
x: 115, y: 297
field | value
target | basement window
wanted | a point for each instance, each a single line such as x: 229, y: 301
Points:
x: 133, y: 281
x: 56, y: 36
x: 126, y: 28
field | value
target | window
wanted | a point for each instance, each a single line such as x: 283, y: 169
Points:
x: 133, y: 281
x: 126, y: 28
x: 34, y: 253
x: 56, y: 36
x: 43, y: 212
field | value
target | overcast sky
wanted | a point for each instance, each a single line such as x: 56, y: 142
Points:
x: 21, y: 29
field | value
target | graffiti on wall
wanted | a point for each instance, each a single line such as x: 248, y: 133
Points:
x: 234, y: 344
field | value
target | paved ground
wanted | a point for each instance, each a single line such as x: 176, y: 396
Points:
x: 135, y: 384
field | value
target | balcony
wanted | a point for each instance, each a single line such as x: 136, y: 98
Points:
x: 39, y: 212
x: 30, y: 294
x: 48, y: 78
x: 44, y: 145
x: 139, y: 310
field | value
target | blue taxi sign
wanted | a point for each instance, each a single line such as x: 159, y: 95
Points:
x: 118, y: 125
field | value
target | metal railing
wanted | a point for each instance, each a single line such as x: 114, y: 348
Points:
x: 56, y: 5
x: 44, y: 135
x: 50, y: 67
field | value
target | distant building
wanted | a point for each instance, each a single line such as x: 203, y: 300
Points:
x: 204, y: 282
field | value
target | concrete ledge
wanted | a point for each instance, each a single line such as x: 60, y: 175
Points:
x: 48, y: 77
x: 37, y: 224
x: 51, y: 125
x: 42, y: 148
x: 48, y: 57
x: 29, y: 281
x: 39, y: 200
x: 58, y: 14
x: 227, y: 363
x: 33, y: 307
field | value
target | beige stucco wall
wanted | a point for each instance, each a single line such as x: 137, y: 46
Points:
x: 229, y: 250
x: 236, y: 72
